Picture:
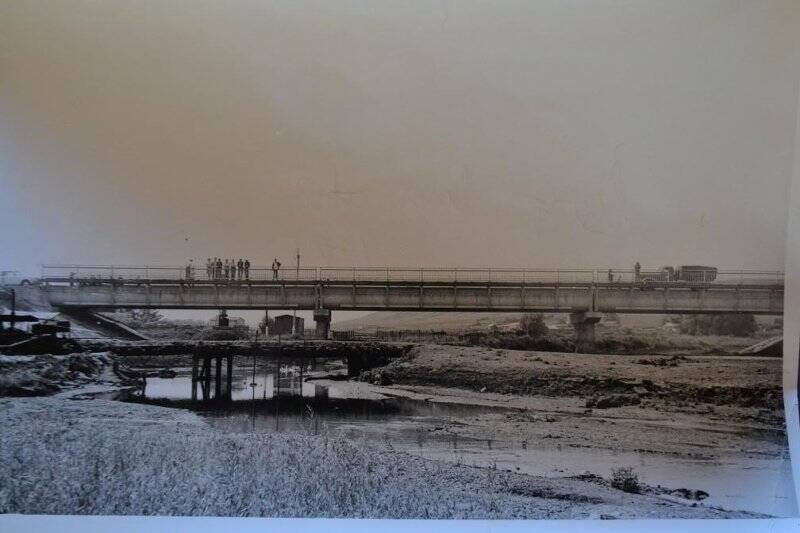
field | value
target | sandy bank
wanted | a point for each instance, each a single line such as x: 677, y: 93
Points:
x: 751, y: 385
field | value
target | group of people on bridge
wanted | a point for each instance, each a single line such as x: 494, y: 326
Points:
x: 218, y: 269
x: 228, y: 270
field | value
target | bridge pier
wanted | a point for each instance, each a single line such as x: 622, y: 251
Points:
x: 322, y: 317
x: 584, y: 323
x: 203, y: 376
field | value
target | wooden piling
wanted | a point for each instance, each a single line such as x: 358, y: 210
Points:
x: 218, y: 379
x: 195, y: 361
x: 206, y: 377
x: 229, y: 378
x: 302, y: 363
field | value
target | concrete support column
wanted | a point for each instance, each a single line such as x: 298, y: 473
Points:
x: 584, y: 322
x: 322, y: 317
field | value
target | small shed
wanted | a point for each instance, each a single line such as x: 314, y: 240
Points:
x: 282, y: 325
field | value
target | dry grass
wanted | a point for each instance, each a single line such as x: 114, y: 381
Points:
x: 102, y: 457
x: 50, y: 464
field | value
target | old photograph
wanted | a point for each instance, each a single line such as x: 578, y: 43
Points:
x: 365, y: 259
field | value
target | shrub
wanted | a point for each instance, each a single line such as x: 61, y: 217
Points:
x: 139, y: 318
x: 533, y: 325
x: 738, y: 325
x: 625, y: 479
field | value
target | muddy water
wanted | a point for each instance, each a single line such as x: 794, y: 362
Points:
x: 289, y: 400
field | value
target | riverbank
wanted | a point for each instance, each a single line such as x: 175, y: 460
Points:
x: 746, y: 387
x: 64, y: 454
x: 106, y: 457
x: 41, y: 375
x: 682, y: 419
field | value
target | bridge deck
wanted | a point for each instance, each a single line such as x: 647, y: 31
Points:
x: 428, y: 295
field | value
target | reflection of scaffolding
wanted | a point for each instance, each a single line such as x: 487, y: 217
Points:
x: 213, y: 373
x: 289, y: 382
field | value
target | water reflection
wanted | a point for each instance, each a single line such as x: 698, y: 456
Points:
x: 264, y: 380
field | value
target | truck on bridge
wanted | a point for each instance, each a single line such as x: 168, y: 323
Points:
x: 689, y: 273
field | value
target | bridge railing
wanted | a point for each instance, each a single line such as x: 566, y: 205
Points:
x: 197, y: 273
x: 749, y: 277
x: 472, y: 275
x: 394, y: 274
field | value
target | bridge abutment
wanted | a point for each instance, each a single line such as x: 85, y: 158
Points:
x: 584, y: 323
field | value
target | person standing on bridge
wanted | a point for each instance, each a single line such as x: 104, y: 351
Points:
x: 637, y: 270
x: 247, y: 269
x: 610, y: 276
x: 226, y: 270
x: 209, y: 269
x: 276, y: 266
x: 240, y: 269
x: 218, y: 274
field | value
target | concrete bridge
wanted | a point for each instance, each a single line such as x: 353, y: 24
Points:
x: 583, y: 293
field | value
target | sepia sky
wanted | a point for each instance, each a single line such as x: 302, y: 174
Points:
x: 446, y: 133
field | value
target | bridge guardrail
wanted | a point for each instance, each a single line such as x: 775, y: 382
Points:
x: 393, y: 274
